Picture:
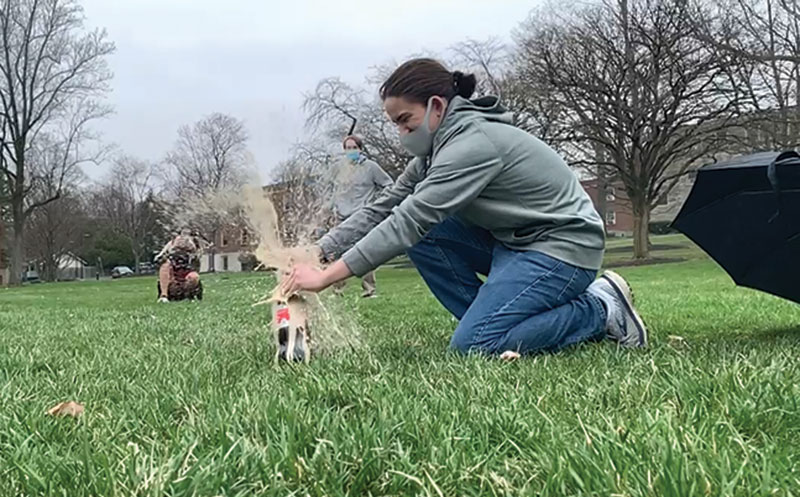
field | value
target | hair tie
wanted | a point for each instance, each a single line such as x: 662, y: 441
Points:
x: 456, y: 80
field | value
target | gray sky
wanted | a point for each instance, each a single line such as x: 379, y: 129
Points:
x: 179, y: 60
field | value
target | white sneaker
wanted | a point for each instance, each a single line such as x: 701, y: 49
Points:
x: 624, y: 324
x: 163, y: 300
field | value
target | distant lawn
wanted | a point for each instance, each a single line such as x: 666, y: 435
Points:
x: 676, y: 248
x: 619, y: 252
x: 184, y: 399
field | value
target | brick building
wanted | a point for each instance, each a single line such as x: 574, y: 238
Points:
x: 770, y: 130
x: 234, y: 245
x: 619, y: 213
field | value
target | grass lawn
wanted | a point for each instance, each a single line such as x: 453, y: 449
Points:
x: 184, y: 399
x: 678, y: 248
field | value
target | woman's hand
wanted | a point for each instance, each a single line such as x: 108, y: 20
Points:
x: 304, y: 277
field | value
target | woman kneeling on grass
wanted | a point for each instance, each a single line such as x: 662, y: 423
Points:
x: 483, y: 197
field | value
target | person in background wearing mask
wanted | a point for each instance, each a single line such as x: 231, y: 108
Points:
x: 359, y: 182
x: 483, y: 197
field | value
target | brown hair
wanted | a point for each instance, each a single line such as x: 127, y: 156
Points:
x: 358, y: 140
x: 420, y: 79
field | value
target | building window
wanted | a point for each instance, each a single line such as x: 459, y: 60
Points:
x: 224, y: 262
x: 611, y: 218
x: 245, y: 237
x: 611, y: 194
x: 224, y: 240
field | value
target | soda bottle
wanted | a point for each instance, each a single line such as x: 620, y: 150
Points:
x: 282, y: 321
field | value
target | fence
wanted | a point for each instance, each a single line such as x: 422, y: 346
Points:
x: 76, y: 273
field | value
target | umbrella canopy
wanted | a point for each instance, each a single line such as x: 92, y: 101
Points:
x: 745, y: 213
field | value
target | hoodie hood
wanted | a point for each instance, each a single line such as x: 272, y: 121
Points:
x: 461, y: 111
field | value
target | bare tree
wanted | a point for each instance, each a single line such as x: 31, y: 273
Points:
x: 536, y: 109
x: 4, y: 215
x: 209, y: 156
x: 51, y: 70
x: 767, y: 25
x: 764, y: 35
x: 333, y: 103
x: 382, y: 141
x: 487, y: 59
x: 55, y: 230
x: 638, y: 90
x: 381, y: 72
x: 301, y: 195
x: 332, y: 109
x: 126, y: 202
x: 306, y: 182
x: 210, y: 163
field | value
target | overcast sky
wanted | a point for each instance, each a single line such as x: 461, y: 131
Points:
x: 179, y: 60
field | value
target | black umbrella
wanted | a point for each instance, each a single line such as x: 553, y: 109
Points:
x: 745, y: 213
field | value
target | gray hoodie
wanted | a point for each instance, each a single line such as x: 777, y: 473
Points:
x: 490, y: 174
x: 358, y: 184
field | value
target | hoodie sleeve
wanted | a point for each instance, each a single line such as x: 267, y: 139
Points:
x: 458, y: 174
x: 380, y: 178
x: 344, y: 236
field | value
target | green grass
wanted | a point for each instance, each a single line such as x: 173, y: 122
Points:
x: 672, y: 247
x: 184, y: 399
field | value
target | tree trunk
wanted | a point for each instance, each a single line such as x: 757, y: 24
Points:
x: 18, y: 215
x: 602, y: 201
x: 136, y: 259
x: 602, y: 192
x: 18, y: 242
x: 212, y: 252
x: 2, y: 246
x: 17, y: 256
x: 49, y: 260
x: 641, y: 232
x: 45, y: 269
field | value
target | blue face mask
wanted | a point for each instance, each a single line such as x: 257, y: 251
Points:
x: 353, y: 155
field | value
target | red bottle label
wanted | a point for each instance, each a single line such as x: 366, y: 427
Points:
x: 282, y: 315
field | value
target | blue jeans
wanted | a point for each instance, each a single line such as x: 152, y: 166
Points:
x: 530, y: 301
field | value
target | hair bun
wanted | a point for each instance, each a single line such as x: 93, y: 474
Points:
x: 464, y: 84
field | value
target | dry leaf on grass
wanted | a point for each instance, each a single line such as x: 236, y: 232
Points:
x: 66, y: 409
x: 677, y: 341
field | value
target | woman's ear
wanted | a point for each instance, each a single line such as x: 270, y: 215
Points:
x: 439, y: 105
x: 438, y: 108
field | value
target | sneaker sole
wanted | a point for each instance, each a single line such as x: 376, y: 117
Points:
x: 620, y: 285
x: 624, y: 292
